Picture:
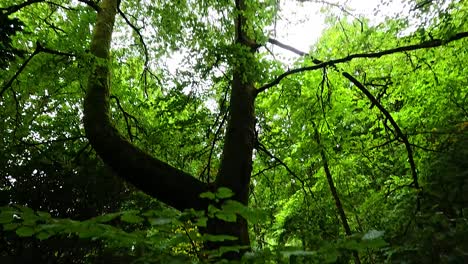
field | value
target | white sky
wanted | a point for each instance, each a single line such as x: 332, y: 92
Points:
x: 301, y: 24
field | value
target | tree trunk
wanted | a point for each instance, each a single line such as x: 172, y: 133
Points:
x: 155, y: 177
x: 236, y: 164
x: 336, y: 198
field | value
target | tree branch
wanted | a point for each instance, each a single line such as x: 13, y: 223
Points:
x: 262, y: 148
x: 145, y: 50
x: 39, y: 49
x: 15, y: 8
x: 424, y: 45
x: 398, y: 131
x: 287, y: 47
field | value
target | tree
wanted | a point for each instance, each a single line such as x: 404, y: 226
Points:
x: 168, y: 184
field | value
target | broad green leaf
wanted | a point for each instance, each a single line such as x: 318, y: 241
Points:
x: 43, y: 235
x: 160, y: 221
x: 131, y: 218
x: 226, y: 216
x: 208, y: 195
x: 10, y: 226
x: 106, y: 217
x: 25, y: 231
x: 224, y: 193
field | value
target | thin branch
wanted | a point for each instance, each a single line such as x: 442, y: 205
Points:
x: 216, y: 137
x: 137, y: 30
x: 424, y: 45
x: 262, y: 148
x: 287, y: 47
x: 425, y: 148
x: 145, y: 50
x: 334, y: 192
x: 265, y: 169
x: 14, y: 8
x: 81, y: 151
x: 344, y: 10
x: 61, y: 6
x: 126, y: 116
x: 292, y: 49
x: 194, y: 246
x: 389, y: 117
x: 23, y: 66
x: 383, y: 144
x: 39, y: 49
x: 54, y: 27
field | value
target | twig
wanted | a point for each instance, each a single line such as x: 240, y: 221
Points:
x: 145, y: 51
x: 126, y: 116
x: 266, y: 169
x: 216, y: 136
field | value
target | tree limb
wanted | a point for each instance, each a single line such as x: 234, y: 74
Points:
x: 15, y: 8
x: 424, y: 45
x: 398, y: 131
x: 39, y: 49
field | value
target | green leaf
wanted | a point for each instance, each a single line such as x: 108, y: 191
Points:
x: 212, y: 210
x: 6, y: 217
x: 10, y: 226
x: 226, y: 216
x: 106, y: 217
x: 224, y: 193
x: 202, y: 222
x: 25, y: 231
x: 44, y: 215
x: 160, y: 221
x: 131, y: 218
x: 208, y: 195
x: 43, y: 235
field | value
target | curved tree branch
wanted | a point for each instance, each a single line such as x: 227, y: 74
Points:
x: 155, y: 177
x: 424, y: 45
x: 398, y: 131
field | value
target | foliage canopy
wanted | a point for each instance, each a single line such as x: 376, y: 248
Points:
x: 352, y: 151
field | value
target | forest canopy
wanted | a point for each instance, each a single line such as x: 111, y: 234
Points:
x: 194, y: 132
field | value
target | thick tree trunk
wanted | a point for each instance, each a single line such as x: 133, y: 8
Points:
x: 164, y: 182
x: 168, y: 184
x: 236, y: 164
